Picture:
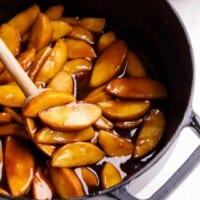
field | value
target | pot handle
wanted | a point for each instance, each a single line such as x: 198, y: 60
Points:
x: 177, y: 177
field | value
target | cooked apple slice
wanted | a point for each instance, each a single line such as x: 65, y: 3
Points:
x: 19, y: 165
x: 150, y: 133
x: 109, y: 63
x: 66, y: 183
x: 103, y: 124
x: 97, y: 95
x: 91, y: 23
x: 11, y: 95
x: 41, y: 186
x: 135, y: 67
x: 14, y: 115
x: 110, y: 175
x: 137, y: 88
x: 25, y: 19
x: 62, y: 81
x: 55, y: 12
x: 41, y: 32
x: 49, y: 136
x: 77, y: 65
x: 45, y: 100
x: 89, y: 176
x: 47, y: 149
x: 77, y: 154
x: 72, y: 116
x: 81, y: 33
x: 114, y: 145
x: 54, y: 62
x: 60, y: 29
x: 105, y: 40
x: 124, y: 110
x: 129, y: 124
x: 11, y: 37
x: 40, y: 58
x: 80, y: 49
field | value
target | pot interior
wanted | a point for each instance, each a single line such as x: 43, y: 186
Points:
x: 151, y: 29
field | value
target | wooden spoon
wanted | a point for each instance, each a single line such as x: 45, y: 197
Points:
x: 19, y: 75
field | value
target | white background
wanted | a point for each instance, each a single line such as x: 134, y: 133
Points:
x: 189, y: 13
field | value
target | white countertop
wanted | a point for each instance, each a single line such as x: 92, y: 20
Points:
x: 189, y: 189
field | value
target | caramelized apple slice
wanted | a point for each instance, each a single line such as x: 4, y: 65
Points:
x: 54, y: 62
x: 137, y: 88
x: 91, y: 23
x: 40, y: 58
x: 76, y: 154
x: 114, y: 145
x: 55, y: 12
x: 135, y: 66
x: 105, y: 40
x: 109, y: 63
x: 44, y: 100
x: 77, y: 65
x: 31, y: 127
x: 124, y: 110
x: 62, y: 81
x: 97, y: 95
x: 14, y: 115
x: 5, y: 118
x: 66, y: 182
x: 72, y: 116
x: 110, y: 175
x: 81, y: 33
x: 11, y: 37
x: 60, y: 29
x: 90, y: 177
x: 103, y: 124
x: 150, y: 133
x: 129, y: 124
x: 41, y: 32
x: 80, y: 49
x: 11, y: 95
x: 25, y: 19
x: 19, y: 165
x: 50, y: 136
x: 46, y: 148
x: 41, y: 186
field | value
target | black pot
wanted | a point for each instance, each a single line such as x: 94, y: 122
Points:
x: 154, y: 30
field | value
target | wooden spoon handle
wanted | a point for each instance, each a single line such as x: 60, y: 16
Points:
x: 19, y: 75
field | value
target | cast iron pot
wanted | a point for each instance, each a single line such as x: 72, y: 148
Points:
x: 153, y: 29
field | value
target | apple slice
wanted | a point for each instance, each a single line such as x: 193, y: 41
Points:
x: 45, y: 100
x: 135, y: 67
x: 109, y: 63
x: 41, y: 186
x: 62, y: 81
x: 11, y: 95
x: 105, y: 40
x: 5, y: 118
x: 103, y: 124
x: 49, y: 136
x: 60, y: 29
x: 136, y: 88
x: 77, y: 65
x: 124, y: 110
x: 72, y: 116
x: 25, y: 19
x: 54, y: 62
x: 11, y: 37
x: 77, y: 154
x: 55, y: 12
x: 129, y: 124
x: 19, y: 165
x: 110, y: 175
x: 80, y: 49
x: 66, y: 182
x: 81, y: 33
x: 41, y: 32
x: 115, y: 145
x: 150, y: 133
x: 89, y: 176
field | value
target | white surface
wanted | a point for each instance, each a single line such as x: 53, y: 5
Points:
x: 189, y: 12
